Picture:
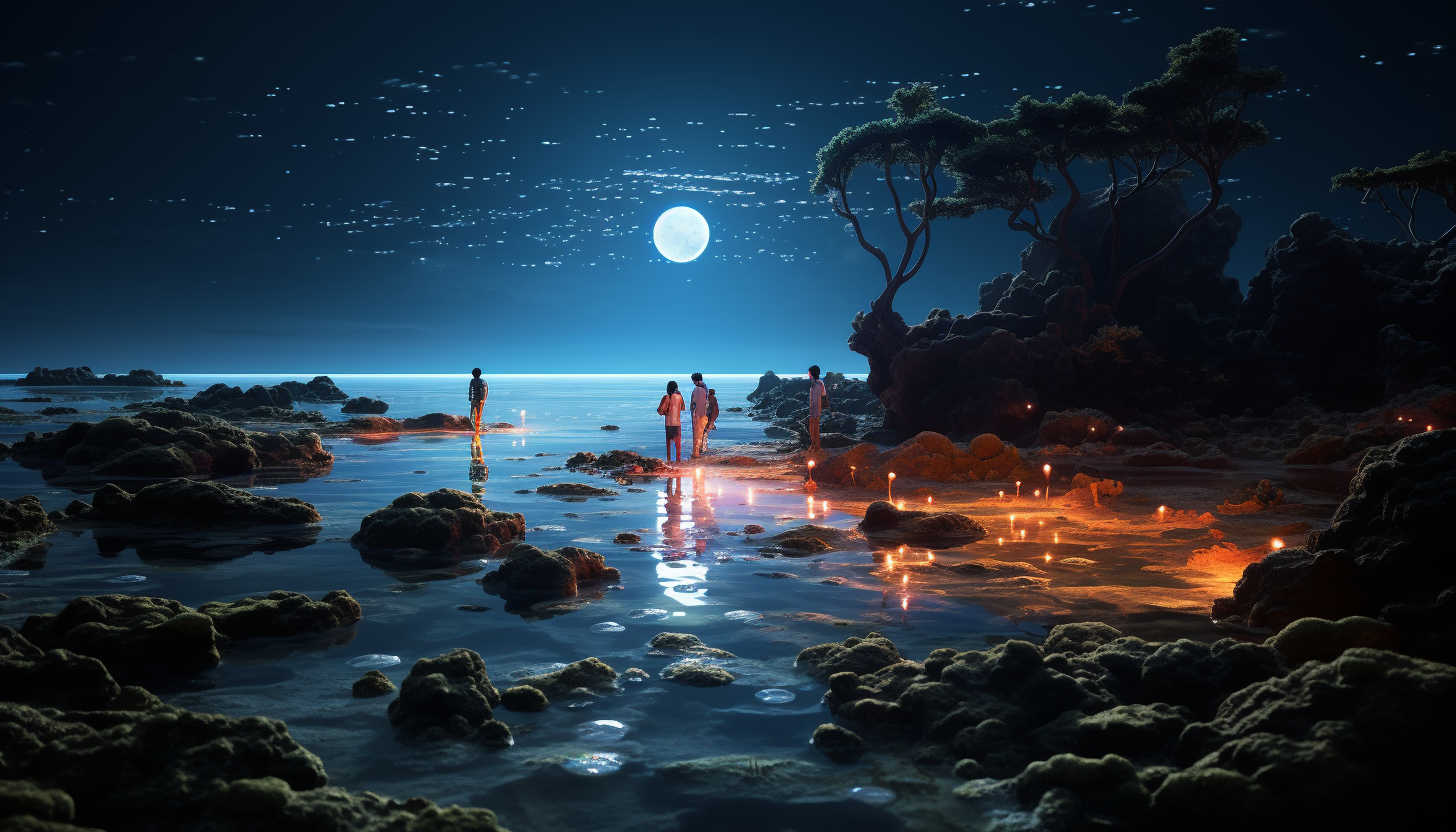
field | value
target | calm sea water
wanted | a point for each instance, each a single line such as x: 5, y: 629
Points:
x: 411, y: 615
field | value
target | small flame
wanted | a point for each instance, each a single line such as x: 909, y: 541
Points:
x: 900, y: 505
x: 826, y: 505
x: 904, y: 579
x: 930, y: 557
x: 1047, y: 469
x: 929, y: 500
x: 1048, y: 557
x: 811, y: 463
x: 1056, y: 538
x: 1023, y: 534
x: 1276, y: 544
x: 1028, y: 407
x: 892, y: 475
x: 1000, y: 541
x: 1036, y: 493
x: 904, y: 603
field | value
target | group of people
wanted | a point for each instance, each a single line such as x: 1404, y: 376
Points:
x: 703, y: 410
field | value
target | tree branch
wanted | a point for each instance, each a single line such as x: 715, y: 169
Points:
x: 842, y: 209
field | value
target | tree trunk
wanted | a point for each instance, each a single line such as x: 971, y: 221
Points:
x: 879, y: 336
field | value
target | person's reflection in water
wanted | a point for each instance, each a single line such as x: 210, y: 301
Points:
x: 672, y: 530
x: 705, y: 522
x: 478, y: 472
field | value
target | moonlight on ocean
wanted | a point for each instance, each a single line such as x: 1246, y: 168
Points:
x: 1004, y: 417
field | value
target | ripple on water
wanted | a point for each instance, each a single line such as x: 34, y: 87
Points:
x: 126, y: 579
x: 601, y: 730
x: 536, y: 670
x: 873, y: 795
x: 13, y: 573
x: 607, y: 627
x: 649, y: 614
x: 374, y: 661
x: 591, y: 765
x: 743, y: 615
x: 775, y: 696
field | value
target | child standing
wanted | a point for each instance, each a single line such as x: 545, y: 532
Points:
x: 478, y: 392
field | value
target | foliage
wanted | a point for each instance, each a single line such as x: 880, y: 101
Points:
x: 1110, y: 342
x: 1425, y: 172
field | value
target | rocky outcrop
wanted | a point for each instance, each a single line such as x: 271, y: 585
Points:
x: 189, y: 504
x: 524, y: 699
x: 528, y: 572
x: 885, y: 523
x: 696, y: 673
x: 785, y: 403
x: 165, y: 444
x: 927, y: 456
x: 631, y: 460
x: 574, y: 489
x: 1385, y: 555
x: 1073, y: 427
x: 23, y: 523
x: 282, y: 613
x: 418, y: 528
x: 129, y: 632
x: 371, y: 685
x: 587, y: 677
x: 364, y: 404
x: 838, y: 743
x: 766, y: 382
x: 83, y: 376
x: 83, y: 750
x: 385, y: 426
x: 318, y: 390
x: 450, y: 695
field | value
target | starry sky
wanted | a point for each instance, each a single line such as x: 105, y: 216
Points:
x: 390, y: 187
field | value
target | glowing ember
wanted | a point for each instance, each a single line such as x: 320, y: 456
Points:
x: 1028, y: 407
x: 902, y: 551
x: 1056, y: 538
x: 825, y: 505
x: 930, y: 557
x: 1000, y: 541
x: 904, y: 579
x: 904, y: 603
x: 1276, y: 544
x: 930, y: 501
x: 890, y: 486
x: 1023, y: 534
x: 1048, y: 557
x: 1041, y: 522
x: 1428, y: 427
x: 889, y: 563
x: 1000, y: 495
x: 1036, y: 493
x: 1161, y: 510
x: 900, y: 505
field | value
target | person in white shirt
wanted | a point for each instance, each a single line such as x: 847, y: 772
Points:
x: 700, y: 415
x: 818, y: 400
x: 671, y: 408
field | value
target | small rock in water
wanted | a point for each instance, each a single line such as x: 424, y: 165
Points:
x: 591, y: 765
x: 126, y: 579
x: 579, y: 704
x: 419, y: 472
x: 650, y: 614
x: 523, y: 491
x: 873, y: 795
x: 607, y: 627
x: 374, y: 661
x: 525, y: 699
x: 472, y: 608
x: 636, y: 674
x: 626, y: 538
x: 743, y: 615
x: 373, y: 684
x: 774, y: 574
x: 601, y: 730
x: 774, y: 696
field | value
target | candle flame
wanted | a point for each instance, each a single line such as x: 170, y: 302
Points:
x: 811, y: 463
x: 892, y: 475
x: 1023, y: 534
x: 1036, y: 493
x: 1000, y: 541
x: 930, y: 557
x: 1046, y: 469
x: 1048, y: 557
x: 904, y: 603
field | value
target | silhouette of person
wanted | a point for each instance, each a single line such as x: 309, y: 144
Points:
x: 818, y: 400
x: 478, y: 392
x: 700, y: 415
x: 671, y: 408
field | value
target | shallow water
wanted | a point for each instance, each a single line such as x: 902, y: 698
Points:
x: 697, y: 579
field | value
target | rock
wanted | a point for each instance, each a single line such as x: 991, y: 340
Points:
x: 935, y: 530
x: 364, y: 404
x: 443, y: 524
x: 614, y: 460
x: 282, y: 613
x: 1161, y: 454
x: 1094, y: 488
x: 58, y: 411
x: 1073, y: 427
x: 51, y: 678
x: 766, y: 382
x: 23, y: 524
x: 437, y: 422
x: 927, y: 456
x: 183, y: 503
x: 986, y: 446
x: 581, y: 459
x: 1384, y: 556
x: 129, y: 632
x: 574, y: 489
x: 1261, y: 497
x: 1080, y: 638
x: 29, y: 807
x: 697, y: 674
x: 1109, y: 784
x: 838, y: 743
x: 525, y: 699
x: 372, y: 684
x: 164, y: 444
x: 753, y: 528
x: 1213, y: 799
x: 610, y: 427
x: 450, y: 694
x: 1318, y: 639
x: 592, y: 676
x: 806, y: 540
x: 1135, y: 437
x: 685, y: 644
x: 626, y: 538
x: 528, y: 572
x: 853, y: 655
x: 969, y: 769
x: 318, y: 391
x: 82, y: 376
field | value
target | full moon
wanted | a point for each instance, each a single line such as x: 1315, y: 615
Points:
x: 681, y: 234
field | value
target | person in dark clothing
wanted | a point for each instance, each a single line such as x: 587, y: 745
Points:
x: 712, y: 410
x: 478, y: 391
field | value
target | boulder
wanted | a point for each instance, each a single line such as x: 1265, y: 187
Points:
x: 364, y: 404
x: 449, y: 695
x: 928, y: 456
x: 585, y: 677
x: 372, y: 684
x: 838, y: 743
x: 1073, y: 427
x: 524, y: 699
x: 934, y: 530
x: 183, y: 503
x: 1384, y: 556
x: 685, y: 644
x: 613, y: 460
x: 626, y: 539
x: 854, y: 655
x: 695, y: 673
x: 574, y: 489
x: 766, y: 382
x: 443, y: 524
x: 437, y: 422
x: 129, y: 632
x: 581, y: 459
x: 83, y: 376
x: 1318, y: 639
x: 282, y: 613
x: 528, y: 572
x: 164, y: 444
x: 319, y: 390
x: 23, y: 524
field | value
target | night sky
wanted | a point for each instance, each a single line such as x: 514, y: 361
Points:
x: 396, y: 187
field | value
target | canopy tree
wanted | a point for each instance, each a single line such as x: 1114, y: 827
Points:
x: 1191, y: 117
x: 1426, y: 171
x: 915, y: 143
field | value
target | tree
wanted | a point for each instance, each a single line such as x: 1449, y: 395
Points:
x: 917, y: 141
x: 1426, y: 171
x: 1192, y: 116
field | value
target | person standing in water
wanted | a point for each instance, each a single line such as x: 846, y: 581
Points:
x: 818, y: 401
x: 478, y: 391
x: 700, y: 415
x: 712, y: 409
x: 670, y: 409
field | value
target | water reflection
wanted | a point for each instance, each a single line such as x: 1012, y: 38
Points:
x: 479, y: 473
x: 213, y: 546
x: 689, y: 524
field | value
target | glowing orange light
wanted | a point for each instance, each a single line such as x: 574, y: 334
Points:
x: 1119, y: 427
x: 826, y: 505
x: 1023, y: 534
x: 930, y: 501
x: 1036, y: 493
x: 1276, y: 544
x: 890, y: 563
x: 1018, y: 489
x: 1041, y: 522
x: 904, y: 603
x: 890, y: 486
x: 900, y: 505
x: 811, y: 463
x: 1000, y: 541
x: 1161, y: 509
x: 1048, y: 557
x: 1056, y: 538
x: 904, y: 579
x: 1428, y: 427
x: 1000, y: 495
x: 1028, y: 407
x: 902, y: 550
x: 930, y: 556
